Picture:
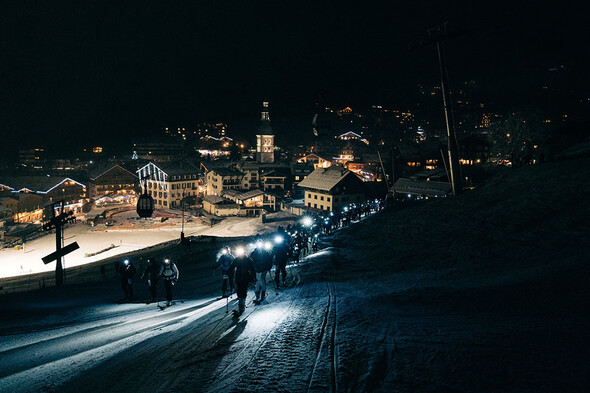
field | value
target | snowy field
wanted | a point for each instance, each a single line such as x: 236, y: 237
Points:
x: 28, y: 260
x: 486, y: 292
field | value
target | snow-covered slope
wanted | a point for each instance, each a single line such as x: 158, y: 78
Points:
x: 485, y: 292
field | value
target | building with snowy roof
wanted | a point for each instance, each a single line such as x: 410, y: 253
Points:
x: 22, y: 207
x: 169, y: 183
x: 223, y: 179
x: 253, y: 200
x: 220, y: 206
x: 316, y: 160
x: 114, y: 181
x: 331, y: 189
x: 273, y: 181
x: 50, y: 188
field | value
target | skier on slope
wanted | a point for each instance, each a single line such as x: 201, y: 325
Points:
x: 295, y: 252
x: 126, y: 273
x: 314, y: 244
x: 224, y: 263
x: 262, y: 258
x: 151, y: 271
x: 169, y: 272
x: 243, y: 270
x: 281, y: 252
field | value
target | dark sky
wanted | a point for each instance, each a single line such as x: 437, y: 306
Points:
x: 93, y: 70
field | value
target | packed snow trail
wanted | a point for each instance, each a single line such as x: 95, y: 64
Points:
x: 284, y: 344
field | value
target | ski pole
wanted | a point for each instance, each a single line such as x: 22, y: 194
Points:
x: 180, y: 296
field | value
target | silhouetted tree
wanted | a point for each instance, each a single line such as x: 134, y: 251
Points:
x: 518, y: 138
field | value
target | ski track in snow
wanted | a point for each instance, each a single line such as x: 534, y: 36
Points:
x: 23, y: 368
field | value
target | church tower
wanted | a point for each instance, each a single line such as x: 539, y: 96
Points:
x: 265, y: 140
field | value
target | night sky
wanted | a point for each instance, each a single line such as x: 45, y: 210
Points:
x: 101, y: 71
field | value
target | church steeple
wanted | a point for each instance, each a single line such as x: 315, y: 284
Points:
x: 265, y: 127
x: 265, y: 140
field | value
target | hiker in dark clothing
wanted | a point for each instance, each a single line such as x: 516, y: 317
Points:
x: 224, y: 263
x: 126, y: 273
x: 242, y: 268
x: 151, y: 272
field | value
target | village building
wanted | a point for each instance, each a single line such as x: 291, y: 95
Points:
x: 346, y: 154
x: 350, y: 135
x: 366, y: 172
x: 51, y: 189
x: 169, y: 183
x: 22, y: 207
x: 255, y: 201
x: 219, y: 206
x: 113, y: 183
x: 221, y: 179
x: 273, y: 181
x: 316, y: 160
x: 474, y: 149
x: 157, y: 149
x: 331, y: 189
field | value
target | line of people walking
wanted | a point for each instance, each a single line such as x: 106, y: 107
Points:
x: 251, y: 263
x: 154, y: 272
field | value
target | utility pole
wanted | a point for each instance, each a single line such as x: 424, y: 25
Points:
x: 436, y: 35
x: 383, y: 171
x: 182, y: 227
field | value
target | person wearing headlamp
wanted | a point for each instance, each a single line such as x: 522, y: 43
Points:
x: 169, y: 272
x: 126, y: 273
x: 242, y: 269
x: 262, y: 258
x: 224, y: 263
x: 281, y: 252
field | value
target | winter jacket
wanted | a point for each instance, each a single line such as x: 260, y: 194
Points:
x: 152, y: 270
x: 127, y: 271
x: 262, y: 260
x: 225, y: 261
x: 169, y: 272
x: 245, y: 271
x: 281, y: 253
